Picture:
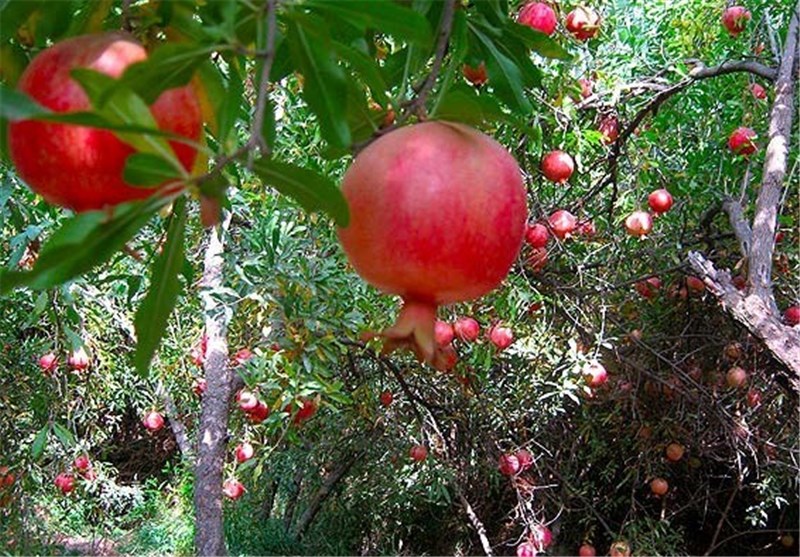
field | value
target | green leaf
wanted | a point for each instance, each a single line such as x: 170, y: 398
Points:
x: 325, y: 87
x: 82, y: 243
x: 311, y: 190
x: 385, y: 16
x: 538, y: 41
x: 170, y: 65
x: 231, y: 106
x: 120, y: 105
x: 154, y: 311
x: 367, y: 68
x: 462, y: 105
x: 506, y: 77
x: 148, y: 170
x: 64, y: 435
x: 37, y: 448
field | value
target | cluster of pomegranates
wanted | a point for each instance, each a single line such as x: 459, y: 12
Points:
x: 78, y: 360
x: 582, y: 22
x: 82, y: 466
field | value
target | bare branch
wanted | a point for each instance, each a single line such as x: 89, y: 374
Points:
x: 700, y: 71
x: 178, y: 429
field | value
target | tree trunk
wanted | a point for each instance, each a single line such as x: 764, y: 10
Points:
x: 212, y: 434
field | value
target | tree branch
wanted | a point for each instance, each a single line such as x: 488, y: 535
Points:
x: 732, y: 66
x: 475, y: 521
x: 741, y: 228
x: 178, y: 429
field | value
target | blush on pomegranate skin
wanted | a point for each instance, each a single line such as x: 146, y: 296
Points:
x: 437, y: 216
x: 80, y: 167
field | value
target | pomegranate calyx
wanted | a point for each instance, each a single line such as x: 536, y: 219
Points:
x: 414, y: 329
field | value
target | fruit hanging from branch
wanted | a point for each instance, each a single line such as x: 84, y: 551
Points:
x: 78, y: 167
x: 437, y: 216
x: 538, y: 16
x: 741, y: 141
x: 735, y: 19
x: 557, y: 166
x: 583, y: 23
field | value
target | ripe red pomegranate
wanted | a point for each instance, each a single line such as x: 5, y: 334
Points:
x: 476, y: 76
x: 537, y: 235
x: 153, y: 421
x: 557, y: 166
x: 307, y: 411
x: 587, y: 550
x: 660, y: 201
x: 437, y: 216
x: 736, y: 377
x: 525, y: 459
x: 241, y: 357
x: 80, y: 167
x: 758, y: 91
x: 259, y: 413
x: 537, y: 259
x: 445, y: 358
x: 526, y: 549
x: 595, y: 374
x: 587, y: 87
x: 247, y: 400
x: 501, y: 337
x: 78, y: 360
x: 443, y: 333
x: 587, y: 228
x: 620, y: 548
x: 563, y: 223
x: 583, y: 23
x: 233, y: 489
x: 418, y: 453
x: 659, y: 486
x: 65, y: 482
x: 508, y: 464
x: 735, y: 19
x: 200, y: 386
x: 48, y: 363
x: 639, y: 223
x: 541, y: 536
x: 244, y: 452
x: 792, y: 316
x: 741, y: 141
x: 467, y: 329
x: 694, y: 284
x: 82, y: 463
x: 648, y: 288
x: 674, y: 452
x: 609, y: 128
x: 386, y: 398
x: 753, y: 398
x: 538, y: 16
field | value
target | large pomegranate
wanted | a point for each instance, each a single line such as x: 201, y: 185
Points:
x: 437, y: 215
x: 79, y: 167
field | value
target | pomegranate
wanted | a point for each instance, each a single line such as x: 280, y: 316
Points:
x: 733, y: 350
x: 674, y: 452
x: 787, y: 540
x: 648, y: 288
x: 242, y: 357
x: 660, y: 201
x: 78, y: 360
x: 537, y: 235
x: 753, y: 398
x: 659, y: 486
x: 82, y: 463
x: 595, y: 374
x: 736, y: 377
x: 476, y: 76
x: 758, y: 91
x: 445, y: 359
x: 80, y: 167
x: 244, y: 452
x: 247, y: 400
x: 508, y: 464
x: 467, y: 329
x: 639, y: 223
x: 526, y: 549
x: 418, y: 453
x: 501, y: 337
x: 537, y: 259
x: 259, y: 413
x: 443, y: 333
x: 307, y: 411
x: 583, y: 23
x: 437, y: 216
x: 620, y: 548
x: 525, y: 459
x: 563, y: 223
x: 741, y: 141
x: 587, y: 228
x: 541, y: 536
x: 587, y: 550
x: 792, y: 316
x: 735, y: 19
x: 386, y: 398
x: 153, y: 421
x: 538, y: 16
x: 48, y: 363
x: 587, y: 87
x: 557, y: 166
x: 609, y: 129
x: 233, y: 489
x: 65, y: 482
x: 694, y: 285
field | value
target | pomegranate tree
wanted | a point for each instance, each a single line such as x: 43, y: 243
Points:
x: 583, y: 23
x: 741, y: 141
x: 735, y: 19
x: 648, y: 288
x: 660, y: 201
x: 525, y: 459
x: 79, y: 167
x: 65, y: 482
x: 537, y: 259
x: 595, y: 374
x: 78, y: 360
x: 82, y: 463
x: 538, y: 16
x: 557, y: 166
x: 437, y: 216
